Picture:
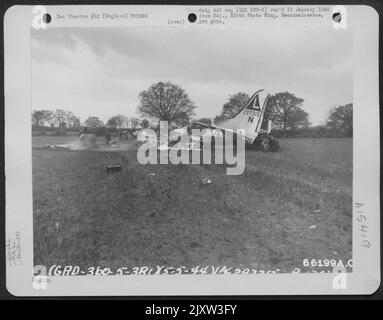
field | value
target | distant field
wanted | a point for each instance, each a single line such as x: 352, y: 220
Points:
x: 285, y: 207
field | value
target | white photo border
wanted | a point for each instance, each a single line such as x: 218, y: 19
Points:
x: 365, y: 278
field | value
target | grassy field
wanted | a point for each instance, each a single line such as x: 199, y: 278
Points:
x: 285, y: 207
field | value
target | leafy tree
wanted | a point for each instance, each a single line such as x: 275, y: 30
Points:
x: 340, y: 120
x: 232, y: 106
x: 145, y: 124
x: 298, y: 118
x: 93, y: 122
x: 165, y: 101
x: 285, y: 109
x: 205, y: 121
x: 117, y: 122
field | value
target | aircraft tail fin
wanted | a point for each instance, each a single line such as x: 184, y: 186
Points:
x: 250, y: 117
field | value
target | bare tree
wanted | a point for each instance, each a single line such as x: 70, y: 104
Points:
x: 165, y: 101
x: 40, y: 118
x: 61, y: 117
x: 71, y: 120
x: 51, y: 119
x: 134, y: 123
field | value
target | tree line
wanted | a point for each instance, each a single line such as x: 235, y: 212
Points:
x: 61, y: 121
x: 54, y: 119
x: 290, y: 119
x: 165, y: 101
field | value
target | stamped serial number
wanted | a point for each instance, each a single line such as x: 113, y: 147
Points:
x: 58, y: 270
x: 324, y: 263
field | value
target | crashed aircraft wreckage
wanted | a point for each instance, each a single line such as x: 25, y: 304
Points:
x: 245, y: 128
x: 248, y: 124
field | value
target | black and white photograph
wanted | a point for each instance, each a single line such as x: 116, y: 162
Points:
x: 194, y: 149
x: 93, y: 89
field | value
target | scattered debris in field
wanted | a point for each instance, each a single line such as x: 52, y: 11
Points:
x: 55, y: 146
x: 60, y: 240
x: 114, y: 168
x: 206, y: 180
x: 260, y: 219
x: 249, y: 246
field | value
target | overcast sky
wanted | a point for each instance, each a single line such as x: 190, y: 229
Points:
x: 100, y: 71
